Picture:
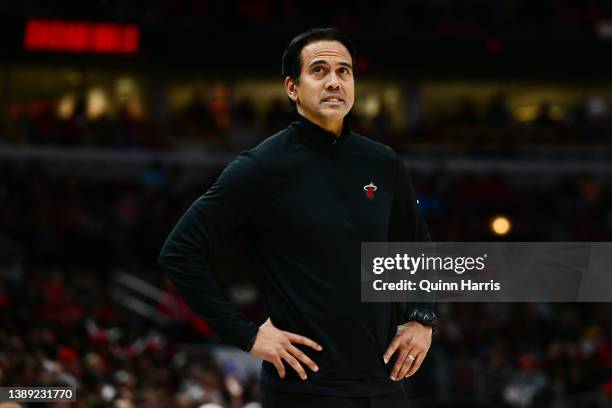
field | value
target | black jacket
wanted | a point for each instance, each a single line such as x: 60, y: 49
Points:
x: 301, y: 197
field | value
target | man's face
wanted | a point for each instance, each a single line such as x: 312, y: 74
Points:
x: 325, y: 91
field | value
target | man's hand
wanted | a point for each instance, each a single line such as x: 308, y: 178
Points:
x: 274, y: 345
x: 413, y: 341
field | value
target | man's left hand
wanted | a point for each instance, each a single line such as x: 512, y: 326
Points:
x: 412, y: 341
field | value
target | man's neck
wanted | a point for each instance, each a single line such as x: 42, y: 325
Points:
x: 334, y: 126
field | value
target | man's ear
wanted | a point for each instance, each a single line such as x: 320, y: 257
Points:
x: 291, y: 87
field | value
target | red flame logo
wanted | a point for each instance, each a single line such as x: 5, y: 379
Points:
x: 369, y: 190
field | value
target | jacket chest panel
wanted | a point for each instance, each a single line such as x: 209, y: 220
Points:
x: 366, y: 189
x: 322, y: 198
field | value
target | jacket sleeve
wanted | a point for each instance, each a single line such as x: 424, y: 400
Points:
x: 184, y: 257
x: 406, y: 223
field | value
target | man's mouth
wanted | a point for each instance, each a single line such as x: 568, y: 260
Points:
x: 333, y: 99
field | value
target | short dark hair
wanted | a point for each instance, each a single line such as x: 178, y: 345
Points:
x: 292, y: 57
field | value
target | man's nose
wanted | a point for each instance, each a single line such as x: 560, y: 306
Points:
x: 332, y: 81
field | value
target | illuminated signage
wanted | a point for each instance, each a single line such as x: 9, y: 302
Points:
x: 80, y: 36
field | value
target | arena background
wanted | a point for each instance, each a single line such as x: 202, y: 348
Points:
x: 116, y: 115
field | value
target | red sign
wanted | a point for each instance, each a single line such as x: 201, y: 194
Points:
x: 80, y: 36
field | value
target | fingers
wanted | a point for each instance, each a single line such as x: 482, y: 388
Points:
x: 294, y: 363
x: 398, y: 363
x: 297, y: 353
x: 416, y: 365
x: 411, y: 357
x: 296, y: 338
x: 279, y: 367
x: 276, y: 346
x: 391, y: 349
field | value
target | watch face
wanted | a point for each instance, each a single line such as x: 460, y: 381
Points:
x: 426, y: 317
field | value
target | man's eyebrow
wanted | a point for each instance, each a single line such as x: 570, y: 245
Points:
x: 323, y: 62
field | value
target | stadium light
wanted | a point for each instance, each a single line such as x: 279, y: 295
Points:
x: 501, y: 225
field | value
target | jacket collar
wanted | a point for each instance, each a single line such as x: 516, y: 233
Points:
x: 319, y: 137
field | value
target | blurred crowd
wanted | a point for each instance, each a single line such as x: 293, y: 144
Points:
x: 63, y: 238
x: 59, y: 327
x: 70, y: 219
x: 227, y: 124
x: 524, y: 355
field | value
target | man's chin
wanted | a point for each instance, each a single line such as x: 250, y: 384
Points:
x: 333, y: 112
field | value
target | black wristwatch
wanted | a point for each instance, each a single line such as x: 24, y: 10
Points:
x: 426, y: 317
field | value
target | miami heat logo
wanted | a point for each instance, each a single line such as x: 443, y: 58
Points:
x: 369, y: 190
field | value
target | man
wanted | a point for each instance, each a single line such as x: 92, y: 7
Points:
x: 306, y: 198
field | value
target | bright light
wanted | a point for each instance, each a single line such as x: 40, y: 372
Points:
x: 371, y: 106
x: 97, y: 103
x: 501, y: 225
x: 66, y: 105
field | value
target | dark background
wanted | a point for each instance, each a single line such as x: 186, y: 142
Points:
x: 500, y: 109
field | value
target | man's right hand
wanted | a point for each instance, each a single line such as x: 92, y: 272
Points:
x: 275, y: 345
